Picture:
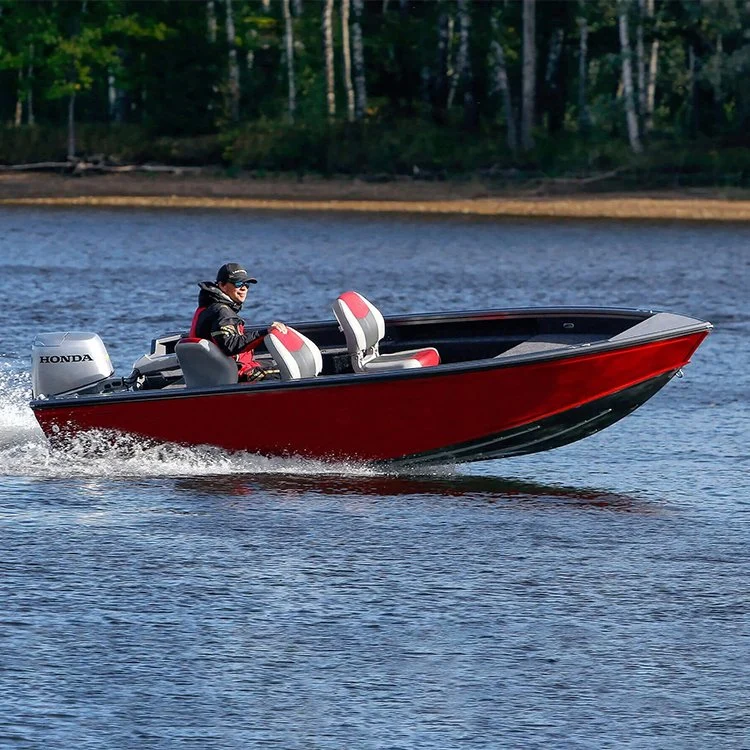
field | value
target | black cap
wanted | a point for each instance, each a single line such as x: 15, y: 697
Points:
x: 234, y: 272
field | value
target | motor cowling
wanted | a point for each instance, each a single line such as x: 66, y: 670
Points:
x: 65, y: 362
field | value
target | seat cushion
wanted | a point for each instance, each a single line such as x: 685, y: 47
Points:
x: 408, y: 360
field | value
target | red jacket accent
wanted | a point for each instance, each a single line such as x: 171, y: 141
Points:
x: 193, y: 325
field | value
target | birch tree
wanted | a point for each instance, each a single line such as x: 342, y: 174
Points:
x: 717, y: 65
x: 25, y: 31
x: 360, y: 83
x: 211, y: 24
x: 289, y: 45
x: 71, y: 62
x: 347, y: 54
x: 554, y: 104
x: 234, y: 67
x: 692, y: 113
x: 627, y: 78
x: 18, y: 117
x: 462, y: 72
x: 584, y: 120
x: 500, y: 84
x: 640, y: 58
x: 553, y: 57
x: 441, y: 82
x: 30, y: 119
x: 328, y: 48
x: 653, y: 69
x: 528, y: 82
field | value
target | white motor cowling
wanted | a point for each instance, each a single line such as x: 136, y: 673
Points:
x: 64, y: 362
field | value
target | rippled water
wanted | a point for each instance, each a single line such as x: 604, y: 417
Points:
x: 595, y: 596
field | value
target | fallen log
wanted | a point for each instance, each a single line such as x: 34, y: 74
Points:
x: 82, y: 167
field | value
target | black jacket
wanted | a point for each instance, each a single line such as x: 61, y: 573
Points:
x: 220, y: 321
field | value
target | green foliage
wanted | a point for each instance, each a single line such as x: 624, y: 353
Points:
x: 400, y: 147
x: 151, y: 84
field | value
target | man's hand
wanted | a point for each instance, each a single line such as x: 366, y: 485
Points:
x: 280, y: 327
x: 257, y: 373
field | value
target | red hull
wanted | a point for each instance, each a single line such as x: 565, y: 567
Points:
x: 381, y: 417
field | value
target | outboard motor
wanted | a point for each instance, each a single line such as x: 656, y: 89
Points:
x: 68, y: 362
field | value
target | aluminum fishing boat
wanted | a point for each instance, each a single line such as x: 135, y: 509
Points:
x: 410, y: 389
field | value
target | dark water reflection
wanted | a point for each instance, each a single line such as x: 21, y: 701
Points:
x: 483, y: 489
x: 589, y: 597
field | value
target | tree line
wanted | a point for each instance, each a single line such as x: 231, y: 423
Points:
x: 427, y: 87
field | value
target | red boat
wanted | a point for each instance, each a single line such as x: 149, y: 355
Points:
x: 434, y: 388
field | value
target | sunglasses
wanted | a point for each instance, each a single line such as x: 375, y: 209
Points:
x: 241, y: 284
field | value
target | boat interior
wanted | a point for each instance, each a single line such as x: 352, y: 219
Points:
x: 457, y: 337
x: 359, y: 340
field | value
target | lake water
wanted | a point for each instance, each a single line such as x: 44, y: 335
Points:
x: 596, y: 596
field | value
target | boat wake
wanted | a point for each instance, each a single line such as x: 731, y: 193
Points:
x: 25, y: 452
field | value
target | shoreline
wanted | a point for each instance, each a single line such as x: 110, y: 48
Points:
x: 467, y: 198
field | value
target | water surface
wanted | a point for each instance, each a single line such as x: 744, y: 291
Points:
x: 590, y: 597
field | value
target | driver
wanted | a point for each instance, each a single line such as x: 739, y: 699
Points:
x: 217, y: 319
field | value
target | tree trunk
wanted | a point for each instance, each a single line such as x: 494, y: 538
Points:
x: 289, y: 38
x: 30, y: 119
x: 692, y: 113
x: 347, y: 53
x: 500, y: 84
x: 360, y: 84
x: 211, y: 25
x: 553, y: 58
x: 441, y: 85
x: 554, y: 96
x: 328, y: 42
x: 640, y: 57
x: 653, y: 68
x: 462, y: 73
x: 718, y: 88
x: 584, y: 120
x: 627, y: 79
x: 18, y: 116
x: 234, y: 68
x: 111, y: 96
x: 528, y: 84
x: 72, y: 127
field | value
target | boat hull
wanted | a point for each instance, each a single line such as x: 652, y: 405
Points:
x: 487, y: 409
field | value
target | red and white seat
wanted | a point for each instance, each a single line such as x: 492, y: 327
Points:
x: 204, y: 364
x: 295, y: 355
x: 364, y: 327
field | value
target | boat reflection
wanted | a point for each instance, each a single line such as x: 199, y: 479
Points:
x: 456, y: 486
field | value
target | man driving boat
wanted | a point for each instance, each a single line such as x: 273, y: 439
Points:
x: 217, y: 319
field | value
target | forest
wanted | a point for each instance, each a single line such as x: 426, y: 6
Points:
x: 654, y: 92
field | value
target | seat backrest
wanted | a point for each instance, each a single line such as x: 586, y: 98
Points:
x: 204, y: 364
x: 295, y: 355
x: 362, y: 324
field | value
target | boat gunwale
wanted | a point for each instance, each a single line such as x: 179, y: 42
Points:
x: 454, y: 368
